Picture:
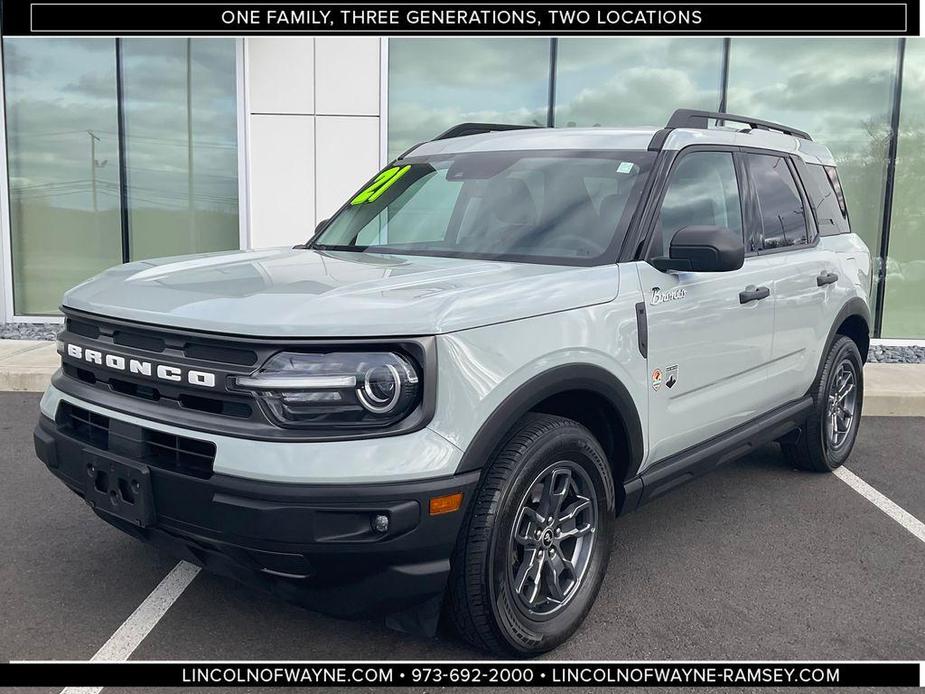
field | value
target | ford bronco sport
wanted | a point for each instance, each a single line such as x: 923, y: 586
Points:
x: 441, y: 403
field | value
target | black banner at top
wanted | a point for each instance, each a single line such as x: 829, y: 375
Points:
x: 393, y: 19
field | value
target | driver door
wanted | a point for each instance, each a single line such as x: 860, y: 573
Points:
x: 708, y: 353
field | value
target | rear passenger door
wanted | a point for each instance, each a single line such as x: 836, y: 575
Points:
x: 708, y: 352
x: 783, y: 232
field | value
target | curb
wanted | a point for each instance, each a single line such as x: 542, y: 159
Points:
x: 894, y: 405
x: 27, y: 365
x: 25, y: 380
x: 894, y: 390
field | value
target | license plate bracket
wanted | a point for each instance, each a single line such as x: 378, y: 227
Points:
x: 121, y: 488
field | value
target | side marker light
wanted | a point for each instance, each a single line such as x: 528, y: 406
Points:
x: 445, y: 504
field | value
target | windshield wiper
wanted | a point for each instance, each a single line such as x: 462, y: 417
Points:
x: 335, y: 247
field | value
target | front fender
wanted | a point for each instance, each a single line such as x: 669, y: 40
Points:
x: 490, y: 377
x: 556, y: 380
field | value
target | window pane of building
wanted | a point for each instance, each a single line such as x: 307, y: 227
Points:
x: 904, y: 300
x: 63, y: 165
x: 436, y: 83
x: 181, y: 145
x: 840, y: 91
x: 635, y: 80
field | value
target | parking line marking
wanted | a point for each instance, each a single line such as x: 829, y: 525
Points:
x: 893, y: 510
x: 140, y: 623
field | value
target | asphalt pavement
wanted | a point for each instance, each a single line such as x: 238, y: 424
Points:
x: 755, y: 561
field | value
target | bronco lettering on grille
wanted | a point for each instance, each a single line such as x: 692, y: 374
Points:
x: 140, y: 367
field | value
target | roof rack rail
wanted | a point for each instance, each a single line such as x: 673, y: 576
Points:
x: 464, y: 129
x: 692, y: 118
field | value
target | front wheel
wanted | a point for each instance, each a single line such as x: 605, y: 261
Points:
x: 831, y: 429
x: 535, y: 545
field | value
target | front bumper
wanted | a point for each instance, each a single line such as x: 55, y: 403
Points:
x: 310, y: 544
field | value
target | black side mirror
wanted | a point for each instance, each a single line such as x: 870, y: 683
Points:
x: 703, y: 249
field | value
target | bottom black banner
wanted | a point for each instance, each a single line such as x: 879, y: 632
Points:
x: 397, y: 674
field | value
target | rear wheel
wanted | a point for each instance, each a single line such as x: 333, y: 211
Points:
x: 535, y: 544
x: 830, y: 431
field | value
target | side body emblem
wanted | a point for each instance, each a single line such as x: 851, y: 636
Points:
x: 661, y: 297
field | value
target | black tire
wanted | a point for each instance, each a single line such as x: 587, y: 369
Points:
x: 542, y: 455
x: 813, y: 448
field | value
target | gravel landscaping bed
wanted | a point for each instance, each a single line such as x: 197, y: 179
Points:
x: 879, y: 354
x: 29, y: 331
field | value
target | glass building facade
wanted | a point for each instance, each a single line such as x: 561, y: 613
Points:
x: 125, y: 149
x: 863, y: 98
x: 117, y: 150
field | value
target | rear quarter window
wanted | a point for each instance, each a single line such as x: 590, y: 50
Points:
x: 827, y: 200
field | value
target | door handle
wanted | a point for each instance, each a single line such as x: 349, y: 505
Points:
x: 753, y: 293
x: 825, y: 278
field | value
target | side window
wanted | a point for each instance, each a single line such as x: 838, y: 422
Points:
x: 781, y: 215
x: 831, y: 216
x: 702, y: 191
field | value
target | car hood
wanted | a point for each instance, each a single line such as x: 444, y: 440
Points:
x: 308, y: 293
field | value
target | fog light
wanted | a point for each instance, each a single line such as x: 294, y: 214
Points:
x: 445, y: 504
x: 380, y: 523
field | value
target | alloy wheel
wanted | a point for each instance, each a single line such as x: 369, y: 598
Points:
x: 841, y: 406
x: 552, y: 539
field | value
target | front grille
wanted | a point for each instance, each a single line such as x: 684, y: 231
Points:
x: 147, y: 391
x: 168, y: 347
x: 139, y: 341
x: 180, y: 452
x: 192, y: 347
x: 156, y: 448
x: 87, y: 426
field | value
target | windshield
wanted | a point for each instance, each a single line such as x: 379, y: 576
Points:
x: 569, y: 207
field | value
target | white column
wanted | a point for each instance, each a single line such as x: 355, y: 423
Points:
x: 280, y: 139
x: 313, y: 130
x: 347, y: 133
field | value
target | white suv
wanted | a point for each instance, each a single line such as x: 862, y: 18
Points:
x: 441, y: 403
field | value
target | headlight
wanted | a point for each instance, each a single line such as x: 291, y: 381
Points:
x: 336, y: 390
